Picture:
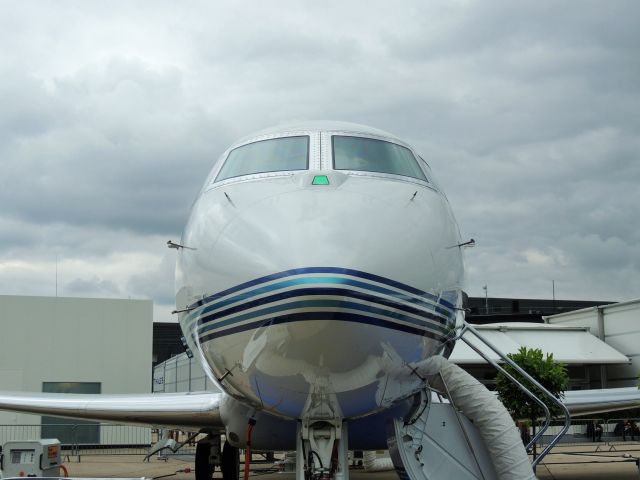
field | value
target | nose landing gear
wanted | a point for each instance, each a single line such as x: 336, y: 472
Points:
x: 321, y: 452
x: 209, y: 455
x: 230, y: 462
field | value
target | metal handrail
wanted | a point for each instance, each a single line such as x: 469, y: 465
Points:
x: 531, y: 395
x: 567, y: 416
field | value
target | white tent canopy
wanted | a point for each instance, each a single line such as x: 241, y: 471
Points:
x: 570, y: 345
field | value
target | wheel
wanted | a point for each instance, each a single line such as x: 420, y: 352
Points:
x: 204, y: 469
x: 230, y: 462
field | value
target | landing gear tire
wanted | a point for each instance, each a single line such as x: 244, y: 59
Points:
x: 204, y: 469
x: 230, y: 462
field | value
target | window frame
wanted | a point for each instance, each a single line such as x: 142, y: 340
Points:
x: 396, y: 176
x: 267, y: 173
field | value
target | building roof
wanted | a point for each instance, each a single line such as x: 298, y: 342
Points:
x: 635, y: 303
x: 570, y: 345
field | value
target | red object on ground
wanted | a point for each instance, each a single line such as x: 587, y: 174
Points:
x: 247, y: 452
x: 64, y: 469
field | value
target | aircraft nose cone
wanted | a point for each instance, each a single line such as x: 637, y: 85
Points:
x: 320, y: 290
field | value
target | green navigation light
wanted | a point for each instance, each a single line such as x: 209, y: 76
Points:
x: 320, y: 180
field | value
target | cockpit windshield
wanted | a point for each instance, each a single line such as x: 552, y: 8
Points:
x: 371, y: 155
x: 274, y: 155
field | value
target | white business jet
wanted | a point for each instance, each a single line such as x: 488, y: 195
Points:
x: 320, y: 266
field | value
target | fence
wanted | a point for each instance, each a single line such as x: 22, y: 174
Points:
x: 130, y: 440
x: 583, y: 430
x: 181, y: 374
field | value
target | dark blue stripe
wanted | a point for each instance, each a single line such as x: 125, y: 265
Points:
x: 299, y: 281
x: 301, y: 271
x: 307, y: 304
x: 306, y: 316
x: 343, y: 292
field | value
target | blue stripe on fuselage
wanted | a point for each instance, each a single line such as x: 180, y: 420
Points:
x: 211, y: 324
x: 334, y: 270
x: 314, y: 291
x: 311, y: 316
x: 319, y: 280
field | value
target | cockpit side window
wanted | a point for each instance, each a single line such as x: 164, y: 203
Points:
x: 372, y: 155
x: 273, y: 155
x: 427, y: 169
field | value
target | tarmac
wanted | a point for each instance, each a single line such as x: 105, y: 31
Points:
x: 576, y: 462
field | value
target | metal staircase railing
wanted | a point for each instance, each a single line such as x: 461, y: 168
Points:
x: 466, y: 327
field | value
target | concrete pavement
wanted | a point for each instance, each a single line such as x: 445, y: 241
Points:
x: 567, y: 463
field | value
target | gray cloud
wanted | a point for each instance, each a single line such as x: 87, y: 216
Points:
x: 526, y: 112
x: 94, y: 286
x: 157, y: 281
x: 129, y: 154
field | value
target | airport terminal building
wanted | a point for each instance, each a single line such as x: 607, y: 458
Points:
x: 72, y: 345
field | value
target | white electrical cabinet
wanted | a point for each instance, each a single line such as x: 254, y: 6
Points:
x: 31, y: 458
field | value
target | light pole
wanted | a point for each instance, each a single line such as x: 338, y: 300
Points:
x: 486, y: 300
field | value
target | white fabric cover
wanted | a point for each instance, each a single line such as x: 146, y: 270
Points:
x: 483, y: 408
x: 372, y: 463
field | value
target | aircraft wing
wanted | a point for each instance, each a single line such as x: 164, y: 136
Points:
x: 585, y: 402
x: 187, y: 411
x: 201, y: 410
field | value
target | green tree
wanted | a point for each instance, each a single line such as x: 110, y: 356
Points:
x: 549, y: 373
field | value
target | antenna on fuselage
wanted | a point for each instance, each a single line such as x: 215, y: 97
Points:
x: 470, y: 243
x: 225, y: 375
x: 177, y: 246
x: 229, y: 198
x: 186, y: 309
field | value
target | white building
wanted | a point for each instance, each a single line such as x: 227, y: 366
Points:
x: 76, y: 345
x: 618, y: 325
x: 585, y: 355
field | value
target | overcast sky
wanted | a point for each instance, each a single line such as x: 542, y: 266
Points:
x: 112, y: 113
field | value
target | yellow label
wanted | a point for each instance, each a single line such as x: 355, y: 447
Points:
x: 52, y: 452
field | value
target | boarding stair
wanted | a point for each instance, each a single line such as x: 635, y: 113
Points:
x: 460, y: 430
